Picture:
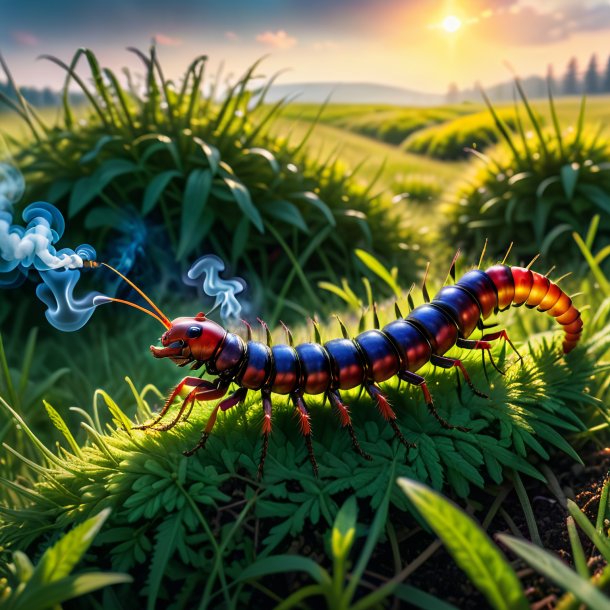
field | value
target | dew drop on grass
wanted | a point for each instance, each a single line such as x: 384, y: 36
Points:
x: 291, y: 167
x: 575, y: 166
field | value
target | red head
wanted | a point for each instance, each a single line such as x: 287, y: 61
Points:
x: 189, y: 339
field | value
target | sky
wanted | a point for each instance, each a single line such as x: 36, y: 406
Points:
x: 417, y: 44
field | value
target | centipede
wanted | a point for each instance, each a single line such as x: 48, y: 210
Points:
x: 399, y: 349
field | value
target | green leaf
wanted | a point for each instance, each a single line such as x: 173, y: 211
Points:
x: 376, y: 267
x: 286, y: 212
x: 60, y: 424
x: 281, y: 564
x: 569, y: 178
x: 241, y: 196
x: 313, y: 199
x: 470, y: 547
x: 196, y: 193
x: 554, y: 569
x: 421, y: 599
x: 168, y: 534
x: 344, y: 529
x: 56, y: 592
x: 155, y: 189
x: 87, y: 188
x: 59, y: 560
x: 99, y: 145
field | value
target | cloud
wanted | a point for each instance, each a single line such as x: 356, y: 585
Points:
x: 279, y: 39
x: 26, y: 39
x: 230, y: 35
x: 167, y: 41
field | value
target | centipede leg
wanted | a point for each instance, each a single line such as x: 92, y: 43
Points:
x: 266, y: 398
x: 346, y: 422
x: 419, y: 381
x: 188, y: 381
x: 484, y: 346
x: 305, y: 426
x: 447, y: 363
x: 387, y: 412
x: 193, y: 396
x: 502, y: 334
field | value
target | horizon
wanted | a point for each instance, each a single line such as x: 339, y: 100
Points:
x: 423, y: 48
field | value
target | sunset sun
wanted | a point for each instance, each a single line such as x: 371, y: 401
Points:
x: 451, y: 24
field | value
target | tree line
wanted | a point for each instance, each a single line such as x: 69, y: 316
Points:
x: 574, y: 81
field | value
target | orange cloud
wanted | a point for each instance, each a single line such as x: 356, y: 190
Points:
x: 279, y: 39
x: 167, y: 41
x: 231, y: 35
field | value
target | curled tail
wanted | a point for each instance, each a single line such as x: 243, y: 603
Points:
x: 519, y: 286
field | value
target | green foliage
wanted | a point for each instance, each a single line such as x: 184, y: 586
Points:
x: 535, y: 190
x: 453, y: 139
x: 186, y: 172
x: 389, y: 124
x: 188, y: 521
x: 470, y: 547
x: 417, y: 188
x: 50, y: 582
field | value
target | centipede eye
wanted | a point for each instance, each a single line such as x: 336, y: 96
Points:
x: 193, y: 332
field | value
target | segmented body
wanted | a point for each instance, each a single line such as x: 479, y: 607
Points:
x: 400, y: 348
x: 402, y: 345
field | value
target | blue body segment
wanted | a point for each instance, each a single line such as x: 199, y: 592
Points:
x: 287, y: 369
x: 230, y: 354
x: 482, y: 288
x: 460, y: 306
x: 315, y: 368
x: 346, y: 363
x: 382, y: 359
x: 411, y: 343
x: 257, y: 366
x: 438, y: 328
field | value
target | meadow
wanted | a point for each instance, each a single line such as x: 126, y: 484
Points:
x: 334, y: 211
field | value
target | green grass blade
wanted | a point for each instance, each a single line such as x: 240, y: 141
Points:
x: 578, y: 553
x: 550, y: 566
x: 595, y: 268
x: 603, y: 507
x: 470, y: 547
x: 524, y: 500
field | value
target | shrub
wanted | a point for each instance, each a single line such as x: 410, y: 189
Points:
x: 452, y: 139
x: 174, y: 172
x: 535, y: 189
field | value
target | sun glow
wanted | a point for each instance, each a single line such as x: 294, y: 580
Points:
x: 451, y: 24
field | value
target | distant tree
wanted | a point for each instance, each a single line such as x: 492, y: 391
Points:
x: 570, y: 80
x: 592, y: 76
x: 606, y: 83
x: 453, y: 94
x: 550, y: 79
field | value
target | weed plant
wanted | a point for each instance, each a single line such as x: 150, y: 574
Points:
x: 535, y: 189
x: 176, y: 170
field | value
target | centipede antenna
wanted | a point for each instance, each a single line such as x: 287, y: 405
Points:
x: 550, y: 271
x: 563, y: 277
x: 533, y: 261
x: 482, y: 254
x: 342, y: 326
x: 397, y: 311
x: 510, y: 247
x: 424, y: 290
x: 451, y: 272
x: 267, y: 332
x: 162, y: 316
x: 289, y: 337
x: 577, y: 294
x: 410, y: 298
x: 316, y: 330
x: 248, y: 330
x: 165, y: 322
x: 375, y: 316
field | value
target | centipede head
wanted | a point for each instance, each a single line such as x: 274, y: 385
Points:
x: 190, y: 339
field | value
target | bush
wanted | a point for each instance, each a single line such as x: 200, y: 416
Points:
x: 170, y: 173
x: 451, y: 139
x: 535, y: 189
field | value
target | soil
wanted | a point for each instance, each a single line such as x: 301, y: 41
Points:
x: 441, y: 577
